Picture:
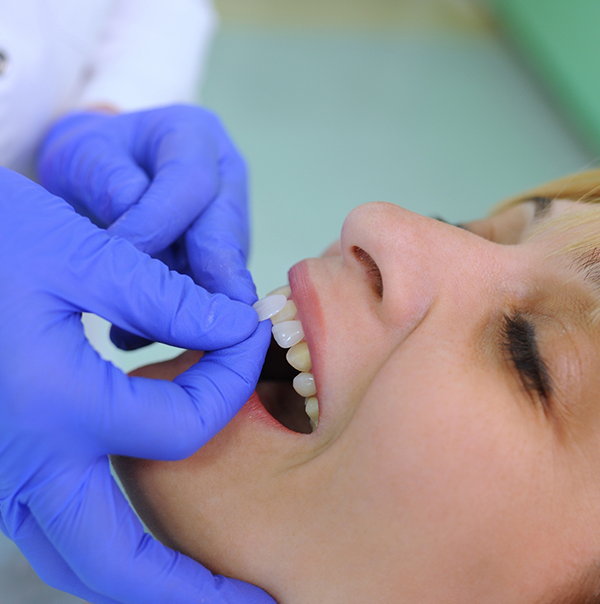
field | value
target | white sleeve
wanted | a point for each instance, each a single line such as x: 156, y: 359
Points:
x: 150, y: 53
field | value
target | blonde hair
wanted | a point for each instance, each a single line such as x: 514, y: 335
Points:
x: 582, y: 186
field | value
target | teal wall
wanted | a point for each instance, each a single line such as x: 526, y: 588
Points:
x: 559, y: 40
x: 441, y: 123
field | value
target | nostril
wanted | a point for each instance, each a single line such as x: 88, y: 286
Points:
x: 373, y: 272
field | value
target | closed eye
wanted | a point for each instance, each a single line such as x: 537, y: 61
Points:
x: 520, y: 343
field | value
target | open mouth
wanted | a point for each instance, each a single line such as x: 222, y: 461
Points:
x: 289, y: 396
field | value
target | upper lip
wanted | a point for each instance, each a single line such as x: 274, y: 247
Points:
x: 310, y: 313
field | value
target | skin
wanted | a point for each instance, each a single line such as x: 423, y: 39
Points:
x: 434, y: 474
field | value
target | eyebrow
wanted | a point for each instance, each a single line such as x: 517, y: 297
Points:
x: 588, y: 264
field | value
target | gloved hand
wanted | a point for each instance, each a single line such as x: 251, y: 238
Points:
x: 63, y: 409
x: 168, y: 180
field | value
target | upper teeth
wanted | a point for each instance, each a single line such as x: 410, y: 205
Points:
x: 287, y: 313
x: 299, y: 357
x: 288, y: 333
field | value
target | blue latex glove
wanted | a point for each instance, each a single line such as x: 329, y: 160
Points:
x: 63, y: 409
x: 168, y: 180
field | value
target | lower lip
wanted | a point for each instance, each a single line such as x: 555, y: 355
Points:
x: 254, y: 411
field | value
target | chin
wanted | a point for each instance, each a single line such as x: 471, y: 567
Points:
x: 222, y: 506
x: 198, y: 505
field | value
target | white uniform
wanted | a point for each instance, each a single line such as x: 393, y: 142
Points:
x: 57, y: 55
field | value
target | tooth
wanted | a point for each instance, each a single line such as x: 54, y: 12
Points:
x: 299, y: 357
x: 304, y: 384
x: 285, y: 290
x: 287, y: 313
x: 288, y: 333
x: 311, y: 406
x: 269, y: 306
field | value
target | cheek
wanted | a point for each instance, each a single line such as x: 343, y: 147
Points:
x: 459, y: 472
x: 333, y: 250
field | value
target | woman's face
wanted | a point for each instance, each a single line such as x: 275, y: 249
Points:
x: 457, y: 453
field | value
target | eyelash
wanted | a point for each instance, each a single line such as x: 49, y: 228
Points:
x: 521, y: 345
x: 542, y: 206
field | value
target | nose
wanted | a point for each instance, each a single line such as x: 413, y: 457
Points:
x: 419, y: 258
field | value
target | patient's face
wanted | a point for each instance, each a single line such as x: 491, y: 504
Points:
x: 457, y: 454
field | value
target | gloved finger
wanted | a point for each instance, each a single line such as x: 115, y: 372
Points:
x: 98, y: 178
x: 157, y: 419
x: 125, y: 564
x: 224, y: 375
x: 124, y: 340
x: 109, y: 277
x: 49, y: 565
x: 113, y: 183
x: 184, y: 165
x: 217, y: 243
x: 175, y: 257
